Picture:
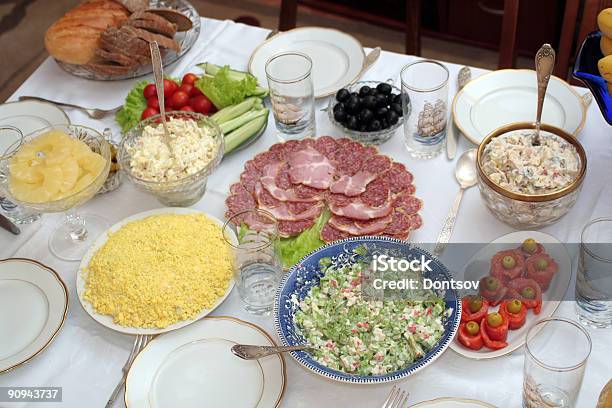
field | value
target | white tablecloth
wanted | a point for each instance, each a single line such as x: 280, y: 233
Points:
x: 86, y: 358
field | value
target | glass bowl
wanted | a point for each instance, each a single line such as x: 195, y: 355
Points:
x: 374, y: 138
x: 74, y: 235
x: 176, y: 193
x: 524, y: 211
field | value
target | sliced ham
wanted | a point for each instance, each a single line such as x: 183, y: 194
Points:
x: 360, y: 211
x: 311, y: 168
x: 370, y: 227
x: 282, y: 211
x: 268, y: 181
x: 352, y: 186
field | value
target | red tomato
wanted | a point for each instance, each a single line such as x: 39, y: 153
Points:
x: 149, y: 91
x: 499, y: 333
x: 515, y: 320
x: 543, y: 277
x: 195, y: 92
x: 494, y: 297
x: 148, y: 113
x: 469, y: 341
x: 201, y: 104
x: 488, y: 342
x: 189, y: 79
x: 169, y: 88
x: 517, y: 285
x: 153, y: 102
x: 185, y: 88
x: 468, y: 316
x: 187, y: 108
x: 179, y: 99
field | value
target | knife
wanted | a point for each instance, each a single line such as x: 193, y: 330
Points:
x: 463, y: 78
x: 9, y: 225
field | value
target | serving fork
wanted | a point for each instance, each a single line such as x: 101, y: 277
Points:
x: 92, y: 113
x: 139, y: 343
x: 397, y: 398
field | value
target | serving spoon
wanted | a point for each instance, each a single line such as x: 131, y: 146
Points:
x: 545, y: 63
x: 158, y: 75
x: 250, y: 352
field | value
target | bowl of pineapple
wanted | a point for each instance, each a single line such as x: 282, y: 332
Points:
x: 56, y: 169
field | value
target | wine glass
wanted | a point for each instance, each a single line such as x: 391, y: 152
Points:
x: 73, y: 236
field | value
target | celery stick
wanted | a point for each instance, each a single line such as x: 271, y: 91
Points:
x: 231, y: 112
x: 242, y: 134
x: 230, y: 125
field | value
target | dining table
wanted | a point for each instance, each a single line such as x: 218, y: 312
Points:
x: 85, y: 359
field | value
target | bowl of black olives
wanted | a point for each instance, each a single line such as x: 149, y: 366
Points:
x: 367, y: 111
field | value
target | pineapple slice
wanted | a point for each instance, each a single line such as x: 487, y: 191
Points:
x: 53, y: 180
x: 79, y: 148
x: 26, y: 171
x: 27, y: 192
x: 70, y: 175
x: 83, y: 183
x: 92, y: 163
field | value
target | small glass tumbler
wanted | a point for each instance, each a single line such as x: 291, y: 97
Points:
x: 257, y: 266
x: 594, y: 275
x: 556, y: 352
x: 292, y: 94
x: 425, y: 105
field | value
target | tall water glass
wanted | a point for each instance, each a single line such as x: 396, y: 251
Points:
x: 425, y: 105
x: 594, y: 276
x: 292, y: 94
x: 257, y: 266
x: 556, y: 352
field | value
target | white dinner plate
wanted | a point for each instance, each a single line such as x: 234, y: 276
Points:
x: 506, y: 96
x: 106, y: 320
x: 33, y: 308
x: 452, y: 402
x: 479, y: 266
x: 194, y: 367
x: 29, y: 116
x: 337, y: 57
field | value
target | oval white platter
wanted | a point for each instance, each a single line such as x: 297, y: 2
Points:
x: 337, y: 57
x: 106, y: 320
x: 479, y: 266
x: 452, y: 402
x: 509, y: 95
x: 33, y: 308
x: 195, y: 364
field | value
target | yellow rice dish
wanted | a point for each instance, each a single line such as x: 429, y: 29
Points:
x: 154, y: 272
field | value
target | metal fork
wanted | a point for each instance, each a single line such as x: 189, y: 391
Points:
x: 397, y: 398
x: 139, y: 343
x: 92, y: 113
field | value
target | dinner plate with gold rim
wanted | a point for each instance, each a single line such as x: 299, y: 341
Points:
x: 452, y: 402
x: 506, y: 96
x: 195, y: 364
x: 479, y: 266
x: 33, y: 308
x: 107, y: 320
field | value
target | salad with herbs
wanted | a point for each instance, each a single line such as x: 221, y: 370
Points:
x: 359, y: 335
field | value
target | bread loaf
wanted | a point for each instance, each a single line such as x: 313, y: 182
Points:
x: 74, y: 38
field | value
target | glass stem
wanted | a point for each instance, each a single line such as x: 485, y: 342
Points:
x: 76, y: 226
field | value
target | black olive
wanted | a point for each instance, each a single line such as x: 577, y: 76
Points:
x: 366, y: 116
x: 384, y: 123
x: 369, y: 102
x: 354, y: 93
x: 352, y: 123
x: 375, y: 125
x: 397, y: 108
x: 398, y: 99
x: 363, y: 127
x: 353, y: 105
x: 340, y: 116
x: 392, y: 117
x: 390, y: 99
x: 384, y: 88
x: 382, y: 112
x: 343, y: 95
x: 381, y: 100
x: 338, y: 106
x: 364, y: 90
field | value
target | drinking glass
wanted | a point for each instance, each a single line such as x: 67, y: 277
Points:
x: 425, y: 105
x: 594, y: 275
x: 292, y: 94
x: 11, y: 139
x: 257, y: 265
x: 556, y: 352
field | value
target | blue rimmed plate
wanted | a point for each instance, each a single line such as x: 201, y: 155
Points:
x: 307, y: 273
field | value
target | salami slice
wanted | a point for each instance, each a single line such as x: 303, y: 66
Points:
x: 400, y: 223
x: 407, y: 204
x: 261, y: 160
x: 400, y: 179
x: 307, y: 193
x: 249, y: 179
x: 288, y: 148
x: 298, y: 207
x: 339, y: 200
x: 239, y: 200
x: 293, y: 228
x: 330, y: 234
x: 264, y: 198
x: 377, y: 164
x: 326, y: 145
x: 346, y: 161
x: 358, y: 228
x: 283, y: 180
x: 376, y: 192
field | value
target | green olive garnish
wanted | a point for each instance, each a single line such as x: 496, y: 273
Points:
x: 475, y: 304
x: 541, y: 264
x: 492, y: 283
x: 508, y: 262
x: 494, y: 319
x: 472, y: 328
x: 514, y: 306
x: 528, y: 292
x: 530, y: 245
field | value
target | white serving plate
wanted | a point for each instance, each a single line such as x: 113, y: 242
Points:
x: 479, y: 266
x: 106, y: 320
x: 507, y: 96
x: 452, y: 402
x: 337, y: 57
x: 195, y: 364
x: 33, y: 308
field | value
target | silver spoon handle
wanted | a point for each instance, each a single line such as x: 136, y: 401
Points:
x: 158, y: 75
x: 449, y: 224
x: 545, y: 63
x: 249, y: 352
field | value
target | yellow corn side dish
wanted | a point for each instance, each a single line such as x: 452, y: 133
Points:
x: 154, y: 272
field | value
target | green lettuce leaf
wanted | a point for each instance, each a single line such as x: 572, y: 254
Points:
x: 224, y: 91
x: 295, y: 248
x: 129, y: 115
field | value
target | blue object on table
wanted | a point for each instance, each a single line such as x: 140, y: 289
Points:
x: 308, y: 272
x: 585, y: 70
